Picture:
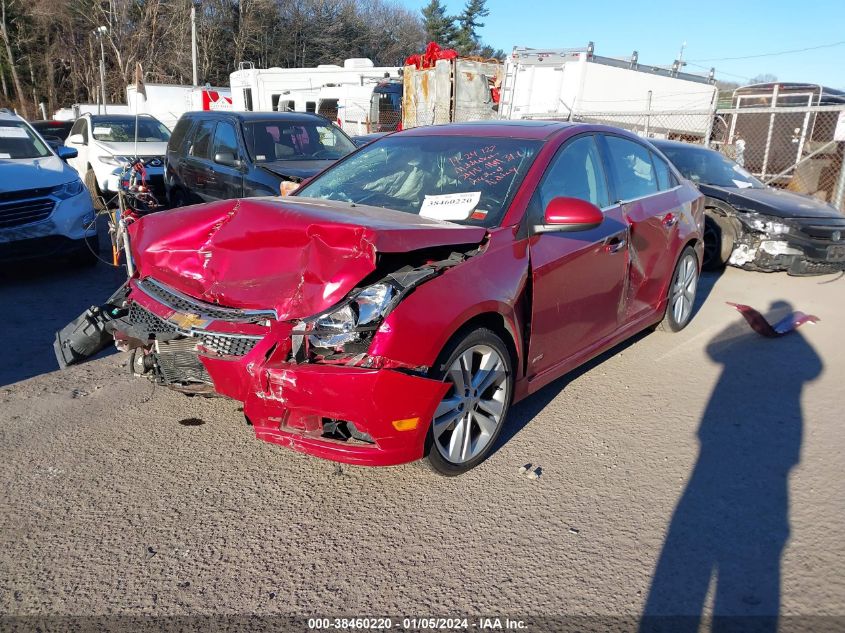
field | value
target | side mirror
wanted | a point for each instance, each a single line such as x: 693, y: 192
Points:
x: 227, y: 158
x: 76, y: 139
x: 570, y: 214
x: 66, y: 152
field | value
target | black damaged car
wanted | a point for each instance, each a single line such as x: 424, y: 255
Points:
x: 756, y: 227
x: 221, y: 155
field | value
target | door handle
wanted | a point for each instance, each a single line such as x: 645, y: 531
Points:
x: 670, y: 220
x: 615, y: 245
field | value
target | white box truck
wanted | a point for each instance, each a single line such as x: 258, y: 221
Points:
x: 340, y: 93
x: 579, y: 85
x: 167, y: 102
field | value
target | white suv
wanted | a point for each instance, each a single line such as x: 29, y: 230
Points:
x: 106, y: 142
x: 45, y: 210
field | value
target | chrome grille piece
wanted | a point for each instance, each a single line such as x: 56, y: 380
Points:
x: 178, y: 301
x: 217, y: 342
x: 20, y: 212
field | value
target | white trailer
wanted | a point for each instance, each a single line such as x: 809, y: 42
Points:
x: 168, y: 102
x: 78, y: 109
x: 576, y: 83
x: 328, y: 89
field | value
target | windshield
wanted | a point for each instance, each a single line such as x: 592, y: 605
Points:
x: 270, y: 141
x: 123, y: 130
x: 18, y: 141
x: 710, y: 168
x: 469, y: 180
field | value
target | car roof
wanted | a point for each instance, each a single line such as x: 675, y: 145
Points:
x: 525, y: 129
x: 667, y: 144
x: 290, y: 117
x: 8, y: 115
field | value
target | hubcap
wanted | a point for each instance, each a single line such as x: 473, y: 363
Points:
x: 467, y: 418
x: 683, y: 289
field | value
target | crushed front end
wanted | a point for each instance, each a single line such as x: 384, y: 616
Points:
x: 799, y: 246
x: 308, y: 384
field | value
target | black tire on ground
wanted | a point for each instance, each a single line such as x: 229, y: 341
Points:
x: 719, y: 239
x: 460, y: 344
x: 94, y: 190
x: 688, y: 261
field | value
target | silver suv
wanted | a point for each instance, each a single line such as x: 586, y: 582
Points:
x: 45, y: 210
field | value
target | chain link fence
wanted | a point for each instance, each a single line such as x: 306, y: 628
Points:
x: 800, y: 149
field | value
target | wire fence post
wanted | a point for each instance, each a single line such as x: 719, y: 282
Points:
x: 839, y: 194
x: 648, y: 114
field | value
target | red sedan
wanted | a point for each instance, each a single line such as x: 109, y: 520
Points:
x: 400, y: 302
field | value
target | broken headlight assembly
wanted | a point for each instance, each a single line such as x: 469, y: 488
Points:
x: 768, y: 225
x: 354, y: 321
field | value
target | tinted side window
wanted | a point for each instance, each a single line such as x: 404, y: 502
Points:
x: 576, y: 172
x: 665, y: 180
x: 225, y: 140
x: 80, y: 128
x: 177, y: 139
x: 632, y: 168
x: 201, y: 145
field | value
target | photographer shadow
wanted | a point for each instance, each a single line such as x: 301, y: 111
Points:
x: 731, y: 524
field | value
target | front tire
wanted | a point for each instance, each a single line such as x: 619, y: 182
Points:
x: 719, y: 239
x: 682, y: 291
x: 471, y: 415
x: 94, y: 190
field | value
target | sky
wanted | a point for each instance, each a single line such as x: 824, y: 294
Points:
x: 657, y: 29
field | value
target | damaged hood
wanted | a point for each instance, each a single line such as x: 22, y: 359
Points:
x: 296, y: 170
x: 299, y: 256
x: 770, y: 201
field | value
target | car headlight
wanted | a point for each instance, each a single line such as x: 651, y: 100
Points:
x: 69, y: 190
x: 355, y: 320
x: 766, y: 225
x: 114, y: 160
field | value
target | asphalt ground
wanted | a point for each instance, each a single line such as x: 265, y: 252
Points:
x: 696, y: 473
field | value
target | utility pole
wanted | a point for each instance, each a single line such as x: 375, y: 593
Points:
x: 194, y: 5
x: 99, y: 32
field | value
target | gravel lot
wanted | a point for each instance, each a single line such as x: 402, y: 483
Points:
x: 703, y: 450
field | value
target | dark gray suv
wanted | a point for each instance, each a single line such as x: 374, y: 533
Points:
x: 220, y: 155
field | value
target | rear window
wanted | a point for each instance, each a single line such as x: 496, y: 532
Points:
x: 271, y: 141
x: 177, y: 139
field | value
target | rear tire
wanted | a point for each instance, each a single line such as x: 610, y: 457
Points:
x: 682, y: 290
x: 471, y: 415
x: 719, y: 239
x: 94, y: 190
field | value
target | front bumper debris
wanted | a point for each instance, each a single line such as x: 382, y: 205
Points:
x: 796, y: 252
x: 353, y: 414
x: 346, y: 414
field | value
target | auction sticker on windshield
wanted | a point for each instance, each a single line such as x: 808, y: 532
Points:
x: 12, y: 132
x: 450, y: 206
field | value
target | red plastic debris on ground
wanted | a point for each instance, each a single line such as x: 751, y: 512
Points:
x: 760, y: 325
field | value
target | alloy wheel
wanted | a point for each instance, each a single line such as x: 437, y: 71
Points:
x: 684, y: 287
x: 470, y: 414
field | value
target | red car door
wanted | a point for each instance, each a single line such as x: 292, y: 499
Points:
x: 577, y: 276
x: 651, y: 208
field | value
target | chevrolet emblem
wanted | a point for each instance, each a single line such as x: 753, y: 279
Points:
x: 186, y: 320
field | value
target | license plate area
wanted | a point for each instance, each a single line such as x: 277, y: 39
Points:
x: 836, y: 253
